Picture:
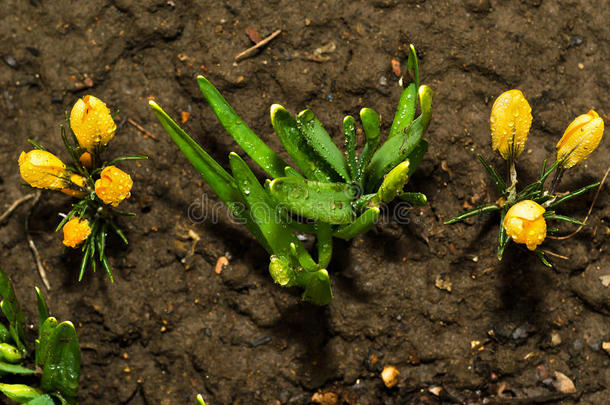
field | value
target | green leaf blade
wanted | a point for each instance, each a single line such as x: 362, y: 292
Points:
x: 306, y: 158
x: 258, y: 150
x: 322, y: 143
x: 405, y: 112
x: 61, y: 370
x: 326, y: 202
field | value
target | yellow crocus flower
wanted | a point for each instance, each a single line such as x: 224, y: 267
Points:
x: 43, y: 169
x: 524, y: 223
x: 580, y: 139
x: 510, y: 123
x: 113, y: 186
x: 76, y: 231
x: 92, y: 123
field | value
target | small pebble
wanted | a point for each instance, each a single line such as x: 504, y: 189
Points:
x: 11, y: 61
x: 390, y: 375
x: 563, y: 384
x: 555, y: 339
x: 581, y: 66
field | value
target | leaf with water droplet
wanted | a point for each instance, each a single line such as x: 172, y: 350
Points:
x: 326, y: 202
x: 317, y: 137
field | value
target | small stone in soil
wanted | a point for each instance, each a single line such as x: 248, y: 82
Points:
x: 563, y: 384
x: 390, y: 375
x: 326, y: 398
x: 260, y: 341
x: 11, y: 61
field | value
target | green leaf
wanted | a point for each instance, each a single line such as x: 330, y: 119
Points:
x: 569, y: 196
x: 405, y: 112
x: 398, y: 148
x: 200, y: 400
x: 43, y: 310
x: 497, y: 180
x: 416, y: 157
x: 69, y: 147
x: 5, y: 335
x: 10, y: 353
x: 322, y: 143
x: 349, y: 132
x: 126, y: 159
x: 361, y: 225
x: 417, y: 199
x: 12, y: 311
x: 552, y: 215
x: 243, y: 135
x: 394, y: 182
x: 325, y: 244
x: 36, y: 145
x: 84, y: 261
x: 219, y: 180
x: 281, y: 271
x: 42, y: 343
x: 262, y: 211
x: 542, y: 258
x: 317, y: 287
x: 306, y: 158
x: 61, y: 370
x: 41, y: 400
x: 503, y: 237
x: 371, y: 125
x: 15, y: 369
x: 481, y: 209
x: 326, y: 202
x: 290, y: 172
x: 20, y: 393
x: 413, y: 64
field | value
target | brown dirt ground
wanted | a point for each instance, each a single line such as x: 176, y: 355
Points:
x: 170, y: 327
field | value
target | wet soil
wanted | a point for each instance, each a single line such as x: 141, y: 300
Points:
x: 170, y: 327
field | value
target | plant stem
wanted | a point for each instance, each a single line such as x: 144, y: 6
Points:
x: 556, y: 180
x: 512, y: 189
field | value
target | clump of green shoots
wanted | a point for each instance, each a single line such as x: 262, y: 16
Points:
x: 56, y: 363
x: 328, y: 194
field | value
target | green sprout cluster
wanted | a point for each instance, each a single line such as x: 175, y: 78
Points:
x: 57, y: 357
x: 338, y: 194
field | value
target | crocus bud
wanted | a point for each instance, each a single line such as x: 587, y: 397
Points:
x: 580, y: 139
x: 92, y: 123
x: 113, y: 186
x: 42, y: 169
x: 86, y: 160
x: 524, y: 223
x: 76, y: 231
x: 510, y: 123
x: 78, y: 181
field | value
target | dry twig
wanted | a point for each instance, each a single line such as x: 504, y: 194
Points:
x: 16, y: 204
x: 601, y: 184
x: 141, y: 129
x: 250, y: 51
x: 39, y: 265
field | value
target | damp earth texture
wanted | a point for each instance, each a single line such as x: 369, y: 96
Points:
x: 428, y: 300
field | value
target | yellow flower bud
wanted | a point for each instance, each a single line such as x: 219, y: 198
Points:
x: 113, y: 186
x: 92, y: 123
x: 42, y: 169
x: 510, y: 121
x: 76, y: 231
x: 524, y: 223
x: 580, y: 139
x: 78, y: 180
x: 86, y: 160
